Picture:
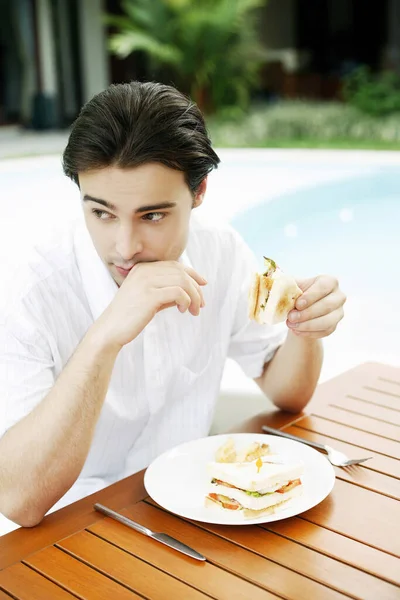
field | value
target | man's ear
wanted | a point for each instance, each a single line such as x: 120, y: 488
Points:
x: 200, y: 193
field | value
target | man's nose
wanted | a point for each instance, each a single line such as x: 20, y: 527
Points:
x: 128, y: 244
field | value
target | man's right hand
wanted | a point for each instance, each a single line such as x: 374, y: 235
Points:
x: 148, y: 289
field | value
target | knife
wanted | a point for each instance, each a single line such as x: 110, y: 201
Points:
x: 159, y: 537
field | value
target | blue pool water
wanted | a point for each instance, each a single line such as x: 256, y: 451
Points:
x: 350, y: 228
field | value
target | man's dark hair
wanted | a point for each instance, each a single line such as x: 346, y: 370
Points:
x: 130, y: 124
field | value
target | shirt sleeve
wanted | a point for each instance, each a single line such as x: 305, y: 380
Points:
x: 26, y: 368
x: 251, y: 345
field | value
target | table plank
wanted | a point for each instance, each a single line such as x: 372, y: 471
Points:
x: 358, y: 438
x: 338, y: 546
x: 384, y: 371
x: 76, y: 577
x: 20, y: 543
x: 359, y: 514
x: 378, y: 384
x: 372, y: 383
x: 376, y: 395
x: 358, y: 421
x: 366, y: 409
x: 354, y: 383
x: 370, y: 480
x: 4, y: 596
x: 310, y: 563
x: 368, y: 475
x: 379, y: 463
x: 261, y: 571
x: 274, y: 418
x: 335, y: 392
x: 371, y: 399
x: 389, y: 385
x: 207, y: 577
x: 26, y: 584
x: 135, y: 574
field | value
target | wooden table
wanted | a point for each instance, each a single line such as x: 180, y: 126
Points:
x: 348, y: 546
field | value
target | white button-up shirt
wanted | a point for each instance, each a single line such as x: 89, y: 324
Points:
x: 165, y: 383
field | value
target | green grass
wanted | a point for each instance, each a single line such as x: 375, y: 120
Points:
x: 300, y: 124
x: 324, y: 144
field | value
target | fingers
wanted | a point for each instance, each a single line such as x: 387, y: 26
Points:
x: 319, y: 309
x: 196, y: 296
x: 304, y: 284
x: 194, y: 275
x: 173, y: 275
x: 194, y: 283
x: 319, y: 326
x: 173, y: 296
x: 179, y: 278
x: 322, y: 286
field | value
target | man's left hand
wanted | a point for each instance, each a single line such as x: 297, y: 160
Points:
x: 319, y: 309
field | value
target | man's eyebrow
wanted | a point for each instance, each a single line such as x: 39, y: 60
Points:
x: 87, y: 198
x: 155, y: 207
x: 141, y: 209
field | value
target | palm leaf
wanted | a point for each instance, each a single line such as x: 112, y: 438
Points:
x: 137, y: 12
x: 151, y: 16
x: 123, y: 44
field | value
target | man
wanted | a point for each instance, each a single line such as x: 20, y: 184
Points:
x: 113, y: 342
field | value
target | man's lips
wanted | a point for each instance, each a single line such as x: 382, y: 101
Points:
x: 126, y: 270
x: 122, y: 270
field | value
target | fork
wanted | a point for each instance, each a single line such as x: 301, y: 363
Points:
x: 335, y: 457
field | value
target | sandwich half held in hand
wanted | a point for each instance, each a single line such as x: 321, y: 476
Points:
x: 257, y: 488
x: 272, y: 295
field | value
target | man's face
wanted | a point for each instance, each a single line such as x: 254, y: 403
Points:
x: 137, y: 215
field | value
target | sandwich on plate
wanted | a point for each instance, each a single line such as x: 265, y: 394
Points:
x: 257, y: 488
x: 272, y: 295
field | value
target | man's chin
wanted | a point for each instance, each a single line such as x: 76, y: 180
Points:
x: 118, y: 278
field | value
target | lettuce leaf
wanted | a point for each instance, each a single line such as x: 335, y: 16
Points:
x: 270, y: 265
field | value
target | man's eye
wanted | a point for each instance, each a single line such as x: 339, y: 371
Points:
x: 154, y: 217
x: 101, y: 214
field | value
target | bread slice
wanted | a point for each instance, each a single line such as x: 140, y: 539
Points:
x: 272, y: 297
x: 248, y: 476
x: 253, y: 295
x: 270, y: 506
x: 252, y: 502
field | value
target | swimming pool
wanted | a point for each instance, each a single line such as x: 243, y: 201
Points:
x: 348, y: 228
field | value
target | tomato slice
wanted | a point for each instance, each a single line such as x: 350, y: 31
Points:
x: 226, y: 484
x: 290, y: 486
x: 228, y: 503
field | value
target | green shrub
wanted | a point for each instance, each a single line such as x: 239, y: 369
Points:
x: 376, y: 95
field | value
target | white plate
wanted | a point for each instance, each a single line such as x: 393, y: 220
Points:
x: 178, y: 480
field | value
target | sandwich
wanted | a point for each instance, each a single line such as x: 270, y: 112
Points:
x: 257, y: 488
x: 272, y: 295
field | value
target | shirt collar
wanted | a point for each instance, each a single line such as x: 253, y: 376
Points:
x: 99, y: 287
